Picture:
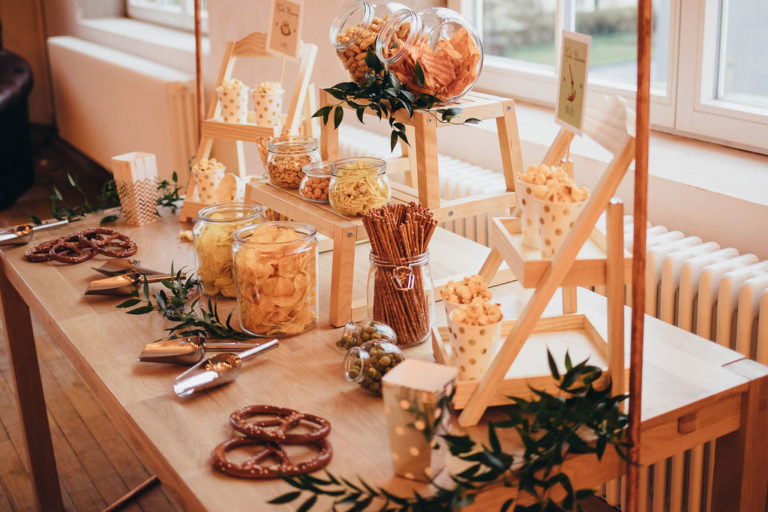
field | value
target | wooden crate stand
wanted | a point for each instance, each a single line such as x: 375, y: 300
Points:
x: 609, y: 122
x: 253, y: 45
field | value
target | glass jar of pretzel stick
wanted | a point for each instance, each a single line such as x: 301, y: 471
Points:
x: 358, y: 185
x: 354, y: 30
x: 401, y: 294
x: 434, y: 51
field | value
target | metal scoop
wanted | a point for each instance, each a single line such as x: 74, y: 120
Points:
x: 189, y: 350
x: 116, y: 267
x: 124, y: 284
x: 216, y: 371
x: 21, y: 234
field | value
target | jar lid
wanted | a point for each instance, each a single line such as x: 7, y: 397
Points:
x: 230, y: 212
x: 292, y: 144
x: 245, y: 234
x: 320, y: 169
x: 359, y: 166
x: 389, y: 47
x: 355, y: 13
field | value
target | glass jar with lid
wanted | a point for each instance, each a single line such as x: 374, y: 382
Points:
x: 434, y: 51
x: 288, y: 154
x: 314, y: 185
x: 401, y: 294
x: 213, y: 244
x: 276, y: 275
x: 354, y: 30
x: 355, y: 335
x: 358, y: 185
x: 367, y: 364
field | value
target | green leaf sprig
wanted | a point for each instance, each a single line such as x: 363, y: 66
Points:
x: 169, y: 193
x: 176, y: 303
x: 383, y: 95
x: 582, y: 418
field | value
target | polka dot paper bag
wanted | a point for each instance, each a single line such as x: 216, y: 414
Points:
x: 234, y: 104
x: 473, y: 347
x: 525, y: 202
x: 555, y: 221
x: 268, y: 107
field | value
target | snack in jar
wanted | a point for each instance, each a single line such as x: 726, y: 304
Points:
x: 276, y: 276
x: 287, y: 156
x: 368, y: 363
x: 355, y: 335
x: 354, y: 30
x: 212, y: 236
x: 358, y: 185
x: 314, y: 185
x: 434, y: 51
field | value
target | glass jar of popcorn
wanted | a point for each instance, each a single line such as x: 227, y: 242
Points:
x: 287, y: 156
x: 401, y: 295
x: 213, y: 244
x: 354, y: 30
x: 314, y: 185
x: 358, y: 185
x: 276, y: 276
x: 434, y: 51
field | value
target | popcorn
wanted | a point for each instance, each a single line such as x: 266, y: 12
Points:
x: 469, y: 290
x: 477, y: 314
x: 268, y: 88
x: 186, y: 235
x: 232, y: 85
x: 540, y: 174
x: 561, y: 192
x: 206, y: 165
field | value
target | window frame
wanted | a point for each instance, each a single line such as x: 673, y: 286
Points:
x: 182, y: 18
x: 684, y: 107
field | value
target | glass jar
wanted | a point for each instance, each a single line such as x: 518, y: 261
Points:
x: 367, y: 364
x: 441, y: 41
x: 276, y: 276
x: 358, y: 185
x: 354, y: 30
x: 355, y: 335
x: 213, y: 244
x: 401, y: 294
x: 288, y: 154
x: 314, y: 185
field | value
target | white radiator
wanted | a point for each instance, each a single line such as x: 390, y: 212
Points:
x: 109, y: 103
x: 713, y: 292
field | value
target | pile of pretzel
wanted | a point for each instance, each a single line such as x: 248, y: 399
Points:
x: 82, y: 246
x: 269, y: 436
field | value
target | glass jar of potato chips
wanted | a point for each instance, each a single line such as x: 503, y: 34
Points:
x: 276, y: 276
x: 434, y: 51
x: 287, y: 156
x: 358, y: 185
x: 354, y: 30
x: 213, y: 244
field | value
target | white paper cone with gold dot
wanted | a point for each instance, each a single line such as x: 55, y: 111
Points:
x: 525, y: 202
x: 267, y: 103
x: 473, y: 347
x: 555, y: 220
x: 416, y: 397
x: 233, y: 97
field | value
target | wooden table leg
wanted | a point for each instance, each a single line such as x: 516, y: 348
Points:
x: 342, y: 276
x: 428, y: 177
x: 29, y: 392
x: 329, y: 136
x: 741, y: 475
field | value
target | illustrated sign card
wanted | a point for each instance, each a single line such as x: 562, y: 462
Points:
x: 572, y: 81
x: 285, y: 27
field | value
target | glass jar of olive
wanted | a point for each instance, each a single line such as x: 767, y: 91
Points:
x: 368, y: 363
x: 355, y: 335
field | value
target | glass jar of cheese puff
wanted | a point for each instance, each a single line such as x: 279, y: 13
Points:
x: 358, y: 185
x: 213, y: 244
x: 276, y: 276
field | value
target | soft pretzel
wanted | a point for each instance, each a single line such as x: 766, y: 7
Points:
x: 283, y: 419
x: 252, y: 467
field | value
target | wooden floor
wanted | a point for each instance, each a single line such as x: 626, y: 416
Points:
x: 96, y: 465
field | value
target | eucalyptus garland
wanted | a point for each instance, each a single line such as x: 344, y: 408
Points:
x: 383, y: 95
x: 583, y: 419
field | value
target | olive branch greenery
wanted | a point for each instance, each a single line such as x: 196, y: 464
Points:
x: 383, y: 95
x: 581, y: 419
x: 190, y: 315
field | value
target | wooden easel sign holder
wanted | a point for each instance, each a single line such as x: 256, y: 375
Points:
x: 610, y: 123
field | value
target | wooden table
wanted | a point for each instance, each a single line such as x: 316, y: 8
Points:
x: 693, y: 390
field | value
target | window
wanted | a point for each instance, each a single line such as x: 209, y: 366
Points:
x: 173, y: 13
x: 708, y: 79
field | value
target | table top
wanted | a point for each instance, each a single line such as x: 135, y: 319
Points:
x: 176, y: 436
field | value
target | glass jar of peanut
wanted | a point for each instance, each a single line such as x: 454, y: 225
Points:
x: 287, y: 156
x: 314, y: 185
